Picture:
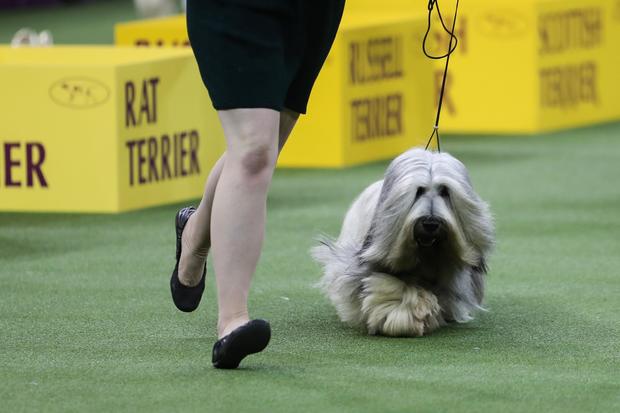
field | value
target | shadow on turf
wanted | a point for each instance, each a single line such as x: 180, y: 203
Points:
x: 514, y: 324
x: 519, y: 329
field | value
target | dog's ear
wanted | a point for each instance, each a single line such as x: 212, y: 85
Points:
x: 367, y: 243
x: 481, y: 268
x: 477, y: 279
x: 370, y: 235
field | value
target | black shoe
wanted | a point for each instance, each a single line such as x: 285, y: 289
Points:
x: 185, y: 298
x: 250, y: 338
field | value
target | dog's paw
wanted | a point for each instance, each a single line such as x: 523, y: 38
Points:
x: 393, y: 308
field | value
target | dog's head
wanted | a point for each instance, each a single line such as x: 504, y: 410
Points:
x: 428, y: 208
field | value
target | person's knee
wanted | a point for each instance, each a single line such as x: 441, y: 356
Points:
x: 253, y: 144
x: 255, y: 160
x: 258, y: 160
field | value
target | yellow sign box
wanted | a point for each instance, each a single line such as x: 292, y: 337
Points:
x: 102, y: 129
x: 372, y: 100
x: 524, y: 66
x: 164, y: 31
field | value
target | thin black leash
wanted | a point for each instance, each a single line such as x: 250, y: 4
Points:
x: 433, y: 4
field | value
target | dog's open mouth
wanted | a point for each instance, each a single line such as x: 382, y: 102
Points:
x: 426, y: 241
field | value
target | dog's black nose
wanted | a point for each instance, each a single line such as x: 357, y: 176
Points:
x: 431, y: 225
x: 428, y: 230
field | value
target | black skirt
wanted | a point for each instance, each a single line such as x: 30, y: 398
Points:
x: 261, y: 53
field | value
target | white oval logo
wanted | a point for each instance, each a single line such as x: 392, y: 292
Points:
x: 501, y: 23
x: 79, y: 92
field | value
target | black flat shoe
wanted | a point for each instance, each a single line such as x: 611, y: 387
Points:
x: 250, y: 338
x: 185, y: 298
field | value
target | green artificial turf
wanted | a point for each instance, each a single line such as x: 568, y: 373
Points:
x: 87, y: 324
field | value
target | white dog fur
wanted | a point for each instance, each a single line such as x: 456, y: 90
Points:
x: 386, y: 274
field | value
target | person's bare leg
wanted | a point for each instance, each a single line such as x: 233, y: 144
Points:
x: 239, y: 208
x: 196, y: 238
x: 197, y: 233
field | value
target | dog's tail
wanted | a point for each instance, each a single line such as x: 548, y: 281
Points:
x: 335, y: 258
x: 323, y: 253
x: 341, y: 281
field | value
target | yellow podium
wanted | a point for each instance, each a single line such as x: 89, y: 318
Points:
x: 372, y: 100
x: 102, y: 129
x: 524, y: 66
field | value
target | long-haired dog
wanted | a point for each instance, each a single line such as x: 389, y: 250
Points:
x: 412, y: 251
